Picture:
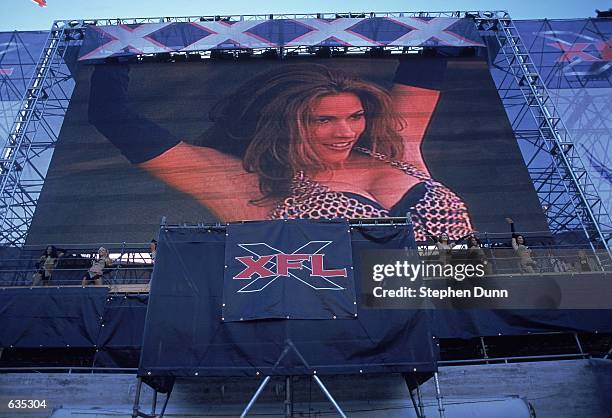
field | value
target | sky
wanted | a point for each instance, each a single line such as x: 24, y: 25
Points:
x: 26, y: 15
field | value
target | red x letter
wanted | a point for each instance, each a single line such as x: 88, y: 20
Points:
x: 254, y: 267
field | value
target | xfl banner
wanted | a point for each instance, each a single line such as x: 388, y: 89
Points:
x: 291, y: 269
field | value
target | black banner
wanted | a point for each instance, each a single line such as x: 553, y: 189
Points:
x: 185, y: 334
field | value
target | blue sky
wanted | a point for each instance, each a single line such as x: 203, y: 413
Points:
x: 25, y: 15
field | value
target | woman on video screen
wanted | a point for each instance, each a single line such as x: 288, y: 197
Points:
x: 299, y: 141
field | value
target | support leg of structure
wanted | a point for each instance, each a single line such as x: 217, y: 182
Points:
x: 578, y: 344
x: 608, y: 353
x: 439, y: 396
x: 417, y: 402
x: 135, y: 409
x: 329, y: 396
x: 288, y: 398
x: 420, y: 400
x: 154, y: 403
x: 163, y: 411
x: 260, y: 389
x: 414, y: 404
x: 484, y: 350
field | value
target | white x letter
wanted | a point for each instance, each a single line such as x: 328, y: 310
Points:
x: 323, y: 29
x: 125, y: 37
x: 425, y: 30
x: 224, y: 33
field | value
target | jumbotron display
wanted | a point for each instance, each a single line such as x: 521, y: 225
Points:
x: 227, y: 141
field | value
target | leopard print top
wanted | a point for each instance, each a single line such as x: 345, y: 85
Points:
x: 438, y: 211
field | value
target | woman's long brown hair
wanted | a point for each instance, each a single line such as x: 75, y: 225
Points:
x: 271, y: 116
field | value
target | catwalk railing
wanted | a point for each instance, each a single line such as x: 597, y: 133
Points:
x: 247, y: 17
x: 132, y: 263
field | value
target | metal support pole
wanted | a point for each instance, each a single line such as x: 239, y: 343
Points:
x: 154, y: 403
x: 260, y: 389
x: 329, y: 396
x: 484, y: 350
x: 417, y: 410
x: 420, y: 399
x: 608, y: 353
x: 578, y: 343
x: 418, y: 402
x: 439, y: 396
x: 288, y: 398
x: 163, y: 411
x: 135, y: 411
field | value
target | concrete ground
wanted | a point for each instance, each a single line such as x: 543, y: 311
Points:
x: 559, y: 389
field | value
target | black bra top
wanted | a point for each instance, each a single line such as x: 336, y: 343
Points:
x: 402, y: 207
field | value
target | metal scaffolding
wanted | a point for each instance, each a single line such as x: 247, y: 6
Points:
x: 571, y: 58
x: 568, y: 196
x: 27, y: 149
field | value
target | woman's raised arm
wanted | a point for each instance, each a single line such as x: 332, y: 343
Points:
x: 415, y: 99
x: 215, y: 179
x: 138, y: 138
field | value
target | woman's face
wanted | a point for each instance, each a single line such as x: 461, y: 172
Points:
x: 520, y: 239
x: 443, y: 238
x: 49, y: 250
x: 337, y: 122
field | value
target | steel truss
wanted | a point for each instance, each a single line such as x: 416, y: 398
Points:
x: 13, y: 76
x: 26, y: 152
x: 585, y: 113
x: 568, y: 196
x: 239, y: 18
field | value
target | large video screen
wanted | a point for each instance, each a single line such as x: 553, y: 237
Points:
x: 231, y: 140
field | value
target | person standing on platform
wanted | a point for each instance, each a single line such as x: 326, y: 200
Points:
x: 46, y: 264
x: 153, y: 250
x: 584, y: 263
x: 445, y: 246
x: 476, y: 254
x: 95, y: 272
x: 523, y: 252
